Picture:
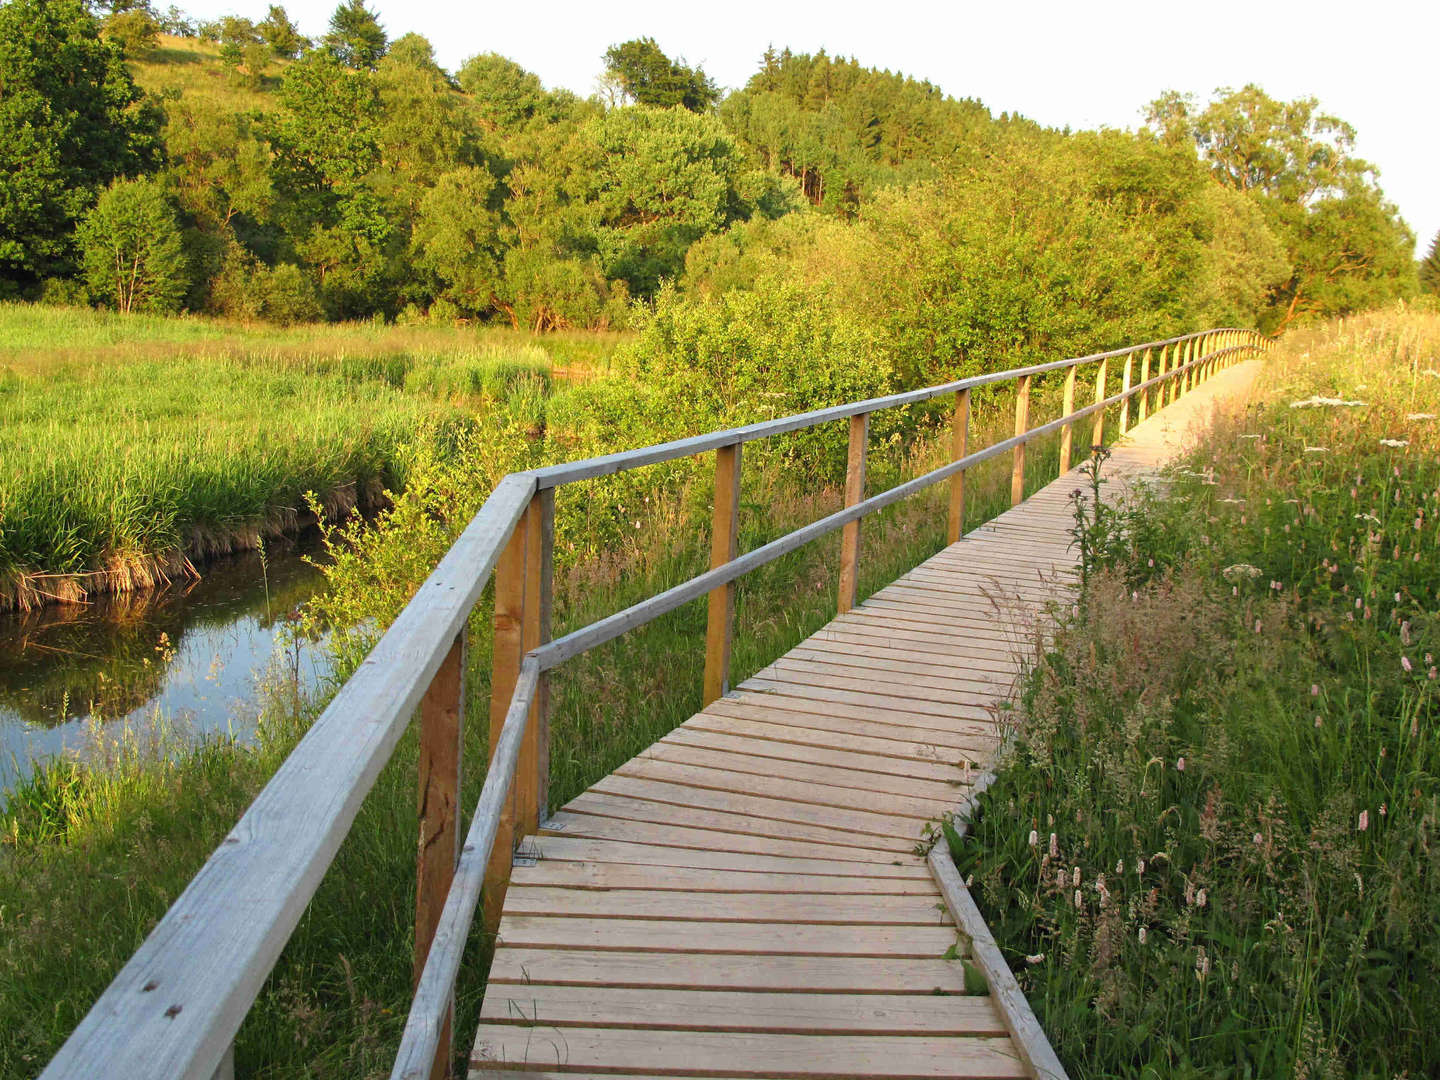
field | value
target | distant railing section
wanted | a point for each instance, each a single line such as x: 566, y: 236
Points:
x: 174, y: 1010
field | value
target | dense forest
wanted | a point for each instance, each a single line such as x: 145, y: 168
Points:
x: 236, y: 168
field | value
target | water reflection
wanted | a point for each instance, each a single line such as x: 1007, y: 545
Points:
x: 189, y: 655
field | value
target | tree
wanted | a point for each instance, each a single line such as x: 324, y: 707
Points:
x: 356, y: 37
x: 1430, y: 268
x: 135, y: 30
x: 281, y: 34
x: 457, y: 239
x: 647, y: 76
x: 1346, y: 244
x: 133, y: 254
x: 507, y: 95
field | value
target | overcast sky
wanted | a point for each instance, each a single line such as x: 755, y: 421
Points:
x: 1082, y: 65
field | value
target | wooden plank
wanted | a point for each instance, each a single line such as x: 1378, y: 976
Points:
x: 167, y: 1015
x: 442, y: 712
x: 786, y: 752
x: 787, y: 974
x: 764, y: 939
x: 527, y: 772
x: 567, y: 849
x: 854, y: 493
x: 722, y: 1010
x: 720, y: 619
x: 1027, y: 1035
x: 636, y: 819
x: 797, y: 770
x: 832, y: 676
x: 872, y: 811
x: 781, y: 1057
x: 815, y: 691
x: 884, y: 677
x: 508, y: 649
x: 774, y: 729
x: 585, y: 875
x: 879, y: 723
x: 933, y: 661
x: 894, y: 712
x: 808, y: 908
x: 1067, y: 433
x: 959, y: 448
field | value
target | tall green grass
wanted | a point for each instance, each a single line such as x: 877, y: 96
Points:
x: 1212, y: 851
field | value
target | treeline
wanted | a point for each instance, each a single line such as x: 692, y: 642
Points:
x: 352, y: 177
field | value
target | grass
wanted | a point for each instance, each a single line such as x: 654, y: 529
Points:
x: 146, y: 444
x: 1211, y: 851
x: 94, y: 857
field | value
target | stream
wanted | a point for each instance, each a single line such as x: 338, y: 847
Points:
x: 186, y: 659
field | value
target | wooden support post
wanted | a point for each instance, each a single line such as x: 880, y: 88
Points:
x: 959, y: 447
x: 532, y: 770
x: 854, y: 493
x: 509, y: 649
x: 442, y: 724
x: 1097, y: 438
x: 1022, y: 425
x: 723, y: 534
x: 1067, y: 433
x: 1178, y: 383
x: 1144, y: 394
x: 1125, y: 389
x: 1159, y: 391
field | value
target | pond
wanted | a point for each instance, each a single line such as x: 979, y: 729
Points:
x: 190, y: 657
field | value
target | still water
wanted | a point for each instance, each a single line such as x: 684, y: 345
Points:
x: 189, y: 657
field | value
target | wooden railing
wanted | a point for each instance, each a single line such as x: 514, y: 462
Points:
x: 174, y: 1009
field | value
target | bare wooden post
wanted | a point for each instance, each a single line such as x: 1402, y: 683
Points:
x: 1067, y: 433
x: 1177, y: 383
x: 959, y: 447
x: 504, y: 672
x: 1022, y: 425
x: 532, y: 770
x: 854, y: 492
x: 1098, y: 436
x: 1144, y: 406
x: 1125, y: 389
x: 1159, y: 391
x: 442, y: 720
x: 723, y: 534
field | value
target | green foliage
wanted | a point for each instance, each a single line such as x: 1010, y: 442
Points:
x: 505, y: 94
x: 1430, y: 268
x: 646, y: 76
x: 133, y: 255
x: 135, y: 31
x: 281, y: 34
x: 71, y: 120
x: 356, y: 38
x: 457, y: 239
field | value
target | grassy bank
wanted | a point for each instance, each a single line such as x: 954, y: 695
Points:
x: 96, y: 855
x: 1212, y: 850
x: 136, y: 447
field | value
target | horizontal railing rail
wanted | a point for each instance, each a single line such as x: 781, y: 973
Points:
x: 174, y: 1009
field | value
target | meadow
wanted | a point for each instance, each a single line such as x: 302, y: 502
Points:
x: 1212, y: 848
x: 138, y: 447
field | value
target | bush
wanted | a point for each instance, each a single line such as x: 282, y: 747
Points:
x: 132, y: 248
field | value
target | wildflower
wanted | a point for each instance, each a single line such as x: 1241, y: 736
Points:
x: 1314, y: 689
x: 1142, y: 935
x: 1180, y: 764
x: 1364, y: 820
x: 1139, y: 867
x: 1405, y: 663
x: 1431, y: 673
x: 1257, y: 626
x: 1202, y: 965
x: 1240, y: 571
x: 1200, y: 898
x: 1317, y: 401
x: 1079, y: 900
x: 1259, y: 839
x: 1366, y: 517
x: 1075, y: 877
x: 1054, y: 847
x: 1399, y: 444
x: 1382, y: 809
x: 1119, y: 867
x: 1035, y: 958
x: 1317, y: 721
x: 1034, y: 838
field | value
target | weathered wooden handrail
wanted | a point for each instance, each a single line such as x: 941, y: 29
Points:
x: 175, y: 1007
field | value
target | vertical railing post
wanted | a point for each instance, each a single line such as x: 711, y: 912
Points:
x: 509, y: 650
x: 1022, y: 425
x: 854, y: 493
x: 959, y: 447
x: 1067, y: 433
x: 1177, y: 386
x: 1125, y: 389
x: 1097, y: 438
x: 442, y: 720
x: 532, y: 770
x: 723, y: 535
x: 1159, y: 391
x: 1144, y: 406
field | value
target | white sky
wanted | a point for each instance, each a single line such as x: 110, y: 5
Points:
x: 1082, y: 65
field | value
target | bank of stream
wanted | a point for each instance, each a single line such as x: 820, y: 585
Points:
x: 188, y: 659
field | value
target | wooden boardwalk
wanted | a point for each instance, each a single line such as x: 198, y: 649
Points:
x: 749, y: 897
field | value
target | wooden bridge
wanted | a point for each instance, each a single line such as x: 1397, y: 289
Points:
x: 753, y: 896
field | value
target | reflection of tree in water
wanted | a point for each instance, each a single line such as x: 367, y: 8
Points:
x: 112, y: 656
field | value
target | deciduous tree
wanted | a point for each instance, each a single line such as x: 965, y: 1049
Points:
x: 356, y: 37
x: 647, y: 76
x: 133, y: 254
